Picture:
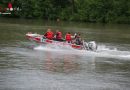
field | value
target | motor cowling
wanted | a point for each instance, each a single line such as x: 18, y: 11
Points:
x: 90, y: 45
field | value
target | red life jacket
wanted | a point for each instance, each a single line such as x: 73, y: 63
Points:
x: 68, y: 37
x: 9, y: 5
x: 49, y: 35
x: 58, y: 35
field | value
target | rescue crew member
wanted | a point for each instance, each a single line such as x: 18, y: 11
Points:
x: 49, y: 34
x: 68, y: 37
x: 10, y: 6
x: 78, y: 39
x: 58, y: 36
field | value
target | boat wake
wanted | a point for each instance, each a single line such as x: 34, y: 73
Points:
x: 102, y: 51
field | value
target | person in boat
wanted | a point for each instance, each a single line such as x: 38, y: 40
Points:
x: 49, y: 34
x: 10, y: 6
x: 58, y: 36
x: 68, y: 37
x: 78, y: 39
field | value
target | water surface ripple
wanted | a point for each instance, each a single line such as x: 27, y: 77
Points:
x: 25, y: 65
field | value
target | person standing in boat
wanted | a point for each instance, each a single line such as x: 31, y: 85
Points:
x: 68, y: 37
x: 58, y: 36
x: 49, y: 34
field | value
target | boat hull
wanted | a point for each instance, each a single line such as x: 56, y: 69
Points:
x: 42, y: 40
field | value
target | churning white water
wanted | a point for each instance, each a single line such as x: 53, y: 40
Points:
x: 102, y: 51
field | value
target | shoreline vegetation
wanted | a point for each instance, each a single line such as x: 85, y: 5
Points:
x: 93, y: 11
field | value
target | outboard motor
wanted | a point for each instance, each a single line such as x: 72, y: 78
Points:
x: 90, y: 45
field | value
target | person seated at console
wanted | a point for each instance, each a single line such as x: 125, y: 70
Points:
x: 78, y: 39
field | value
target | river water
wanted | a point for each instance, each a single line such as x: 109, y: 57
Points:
x: 25, y: 65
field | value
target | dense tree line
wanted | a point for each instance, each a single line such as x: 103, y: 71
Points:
x: 106, y: 11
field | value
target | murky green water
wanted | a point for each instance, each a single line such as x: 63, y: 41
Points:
x: 24, y: 65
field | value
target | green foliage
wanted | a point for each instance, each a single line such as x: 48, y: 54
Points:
x: 105, y: 11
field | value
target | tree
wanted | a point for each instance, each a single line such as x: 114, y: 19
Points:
x: 105, y: 11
